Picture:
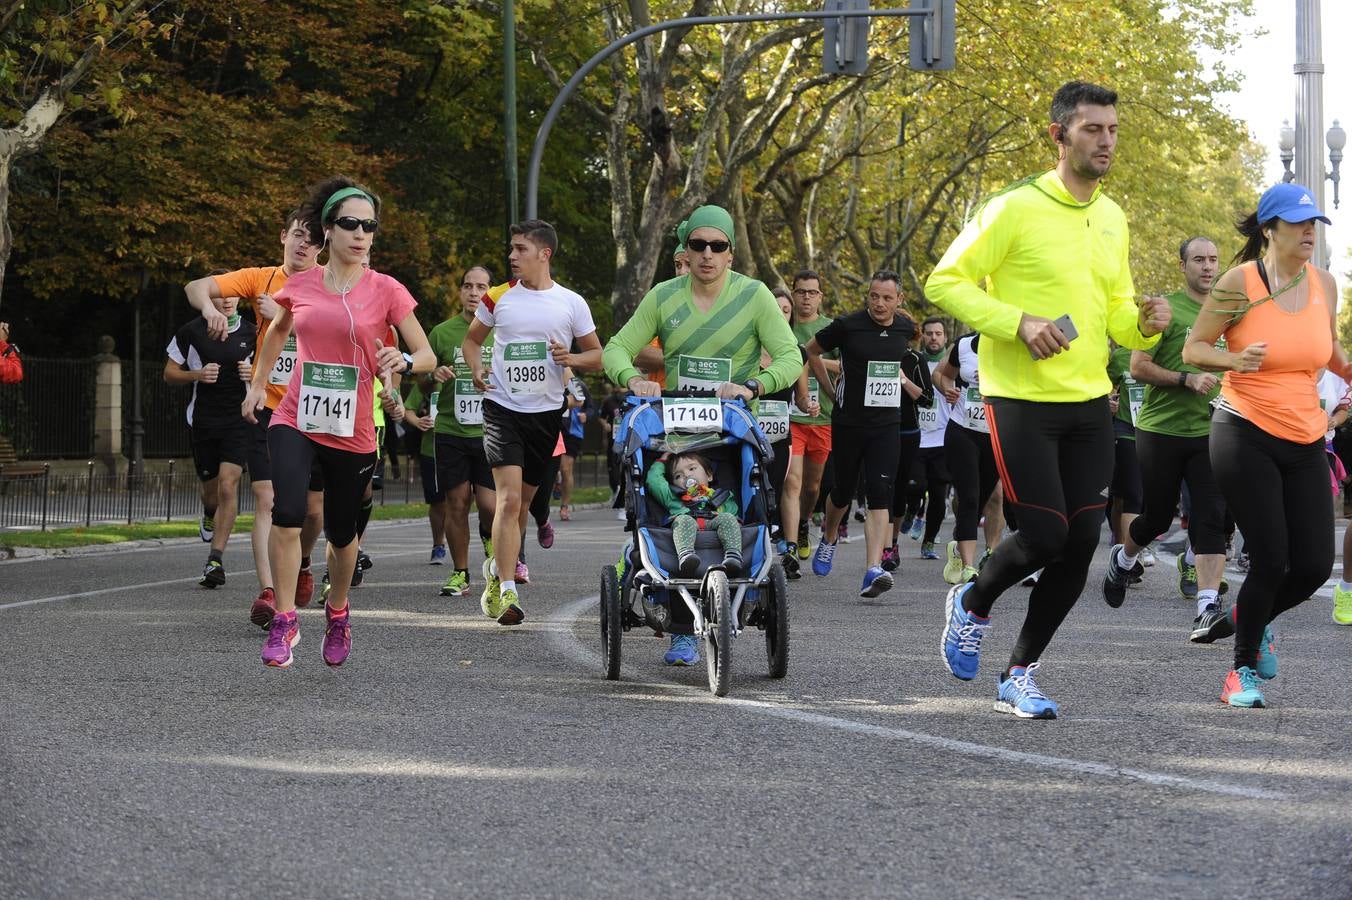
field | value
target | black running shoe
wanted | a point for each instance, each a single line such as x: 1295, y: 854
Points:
x: 1116, y: 581
x: 213, y: 574
x: 358, y: 575
x: 363, y: 561
x: 1212, y: 625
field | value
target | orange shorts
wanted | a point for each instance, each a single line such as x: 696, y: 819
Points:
x: 812, y: 441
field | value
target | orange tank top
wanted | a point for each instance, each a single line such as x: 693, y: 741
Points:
x: 1282, y: 397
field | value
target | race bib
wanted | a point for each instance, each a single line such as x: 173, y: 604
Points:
x: 702, y: 373
x: 813, y: 396
x: 882, y: 387
x: 527, y: 371
x: 929, y: 417
x: 469, y: 408
x: 974, y: 410
x: 328, y: 399
x: 697, y: 414
x: 432, y: 404
x: 286, y: 363
x: 1135, y: 398
x: 772, y: 417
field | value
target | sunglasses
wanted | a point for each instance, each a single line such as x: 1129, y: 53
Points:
x: 699, y: 245
x: 352, y: 223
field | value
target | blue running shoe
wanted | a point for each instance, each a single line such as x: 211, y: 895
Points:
x: 1242, y: 689
x: 963, y: 631
x: 1267, y: 656
x: 1020, y: 695
x: 438, y: 555
x: 684, y: 651
x: 917, y: 529
x: 821, y: 560
x: 876, y: 581
x: 927, y: 551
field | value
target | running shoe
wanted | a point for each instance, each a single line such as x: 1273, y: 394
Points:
x: 1187, y: 578
x: 968, y: 573
x: 337, y: 635
x: 1342, y: 606
x: 438, y: 555
x: 917, y: 529
x: 927, y: 551
x: 981, y: 563
x: 213, y: 574
x: 1020, y: 695
x: 843, y: 531
x: 324, y: 588
x: 891, y: 558
x: 821, y: 560
x: 1242, y: 689
x: 621, y: 515
x: 488, y: 547
x: 490, y: 601
x: 1267, y: 656
x: 522, y: 573
x: 792, y: 568
x: 283, y: 634
x: 876, y: 581
x: 206, y: 529
x: 804, y: 542
x: 963, y: 631
x: 264, y: 608
x: 565, y: 514
x: 906, y: 524
x: 557, y: 491
x: 305, y: 588
x: 457, y: 585
x: 363, y: 561
x: 1116, y: 580
x: 684, y: 651
x: 859, y: 515
x: 1148, y: 557
x: 953, y: 568
x: 358, y: 576
x: 544, y: 535
x: 1211, y: 625
x: 512, y: 613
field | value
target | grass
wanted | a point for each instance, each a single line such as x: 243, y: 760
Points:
x: 60, y: 538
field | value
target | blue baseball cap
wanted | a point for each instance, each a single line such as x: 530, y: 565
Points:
x: 1289, y: 202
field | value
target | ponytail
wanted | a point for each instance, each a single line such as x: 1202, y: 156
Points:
x: 1254, y: 240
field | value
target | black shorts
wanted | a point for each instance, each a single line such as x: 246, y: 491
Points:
x: 427, y: 467
x: 212, y: 446
x: 460, y: 459
x: 870, y: 450
x: 520, y: 439
x: 260, y: 463
x: 572, y: 445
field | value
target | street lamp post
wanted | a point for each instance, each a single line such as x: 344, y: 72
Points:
x: 1301, y: 154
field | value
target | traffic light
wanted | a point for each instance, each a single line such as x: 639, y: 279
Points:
x: 845, y: 48
x: 933, y: 42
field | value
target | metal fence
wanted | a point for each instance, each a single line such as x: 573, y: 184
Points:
x: 50, y: 414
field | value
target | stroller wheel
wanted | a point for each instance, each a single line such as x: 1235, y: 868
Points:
x: 718, y: 632
x: 611, y: 622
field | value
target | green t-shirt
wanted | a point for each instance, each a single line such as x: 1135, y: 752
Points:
x: 804, y: 332
x: 455, y: 395
x: 1176, y: 410
x: 1129, y: 390
x: 428, y: 446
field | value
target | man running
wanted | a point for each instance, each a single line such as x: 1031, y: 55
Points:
x: 881, y: 382
x: 1052, y: 252
x: 713, y: 324
x: 1172, y: 429
x: 929, y: 475
x: 534, y: 321
x: 810, y: 436
x: 462, y: 469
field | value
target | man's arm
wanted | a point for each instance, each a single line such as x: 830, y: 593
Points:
x: 978, y: 250
x: 588, y: 360
x: 620, y: 350
x: 263, y: 363
x: 200, y: 294
x: 472, y: 349
x: 1144, y: 369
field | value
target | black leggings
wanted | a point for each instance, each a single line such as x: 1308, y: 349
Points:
x: 971, y: 462
x: 929, y: 479
x: 870, y: 450
x: 1055, y: 462
x: 1166, y: 462
x: 346, y: 475
x: 1126, y: 484
x: 776, y: 471
x: 908, y: 451
x: 1279, y: 494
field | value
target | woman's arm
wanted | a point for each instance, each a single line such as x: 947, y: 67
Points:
x: 1212, y: 321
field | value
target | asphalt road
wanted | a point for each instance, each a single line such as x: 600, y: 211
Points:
x: 146, y: 751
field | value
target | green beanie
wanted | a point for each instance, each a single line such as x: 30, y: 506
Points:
x: 708, y: 217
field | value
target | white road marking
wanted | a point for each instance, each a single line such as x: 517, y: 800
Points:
x: 36, y: 601
x: 568, y: 642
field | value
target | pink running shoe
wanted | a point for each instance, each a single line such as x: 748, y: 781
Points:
x: 337, y: 635
x: 283, y: 634
x: 522, y: 573
x: 263, y: 609
x: 545, y: 534
x: 305, y: 588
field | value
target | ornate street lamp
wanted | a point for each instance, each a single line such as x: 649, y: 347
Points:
x: 1335, y: 138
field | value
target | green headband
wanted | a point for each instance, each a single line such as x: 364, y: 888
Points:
x: 708, y: 217
x: 339, y: 196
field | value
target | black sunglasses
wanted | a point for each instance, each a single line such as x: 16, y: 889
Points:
x: 699, y: 245
x: 352, y: 223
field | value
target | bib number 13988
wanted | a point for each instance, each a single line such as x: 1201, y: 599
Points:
x: 526, y: 368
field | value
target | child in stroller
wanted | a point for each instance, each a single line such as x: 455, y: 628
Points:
x: 697, y: 507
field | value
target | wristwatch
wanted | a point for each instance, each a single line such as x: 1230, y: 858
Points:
x: 1182, y: 379
x: 408, y: 363
x: 753, y: 386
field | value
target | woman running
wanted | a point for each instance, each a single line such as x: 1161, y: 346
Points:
x: 340, y: 312
x: 1276, y: 312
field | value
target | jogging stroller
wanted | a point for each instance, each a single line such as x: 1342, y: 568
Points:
x: 640, y: 590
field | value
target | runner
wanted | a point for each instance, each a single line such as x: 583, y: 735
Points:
x: 462, y: 470
x: 1125, y: 490
x: 579, y: 408
x: 256, y: 286
x: 810, y: 434
x: 713, y: 324
x: 534, y: 320
x: 1173, y: 422
x: 882, y: 380
x: 420, y: 416
x: 928, y: 476
x: 218, y: 372
x: 1277, y: 313
x: 340, y: 313
x: 1050, y: 249
x: 772, y: 414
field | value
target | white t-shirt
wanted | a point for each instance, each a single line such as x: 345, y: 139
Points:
x: 1332, y: 395
x: 934, y: 421
x: 525, y: 377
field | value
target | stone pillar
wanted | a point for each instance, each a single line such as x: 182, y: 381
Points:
x: 108, y: 406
